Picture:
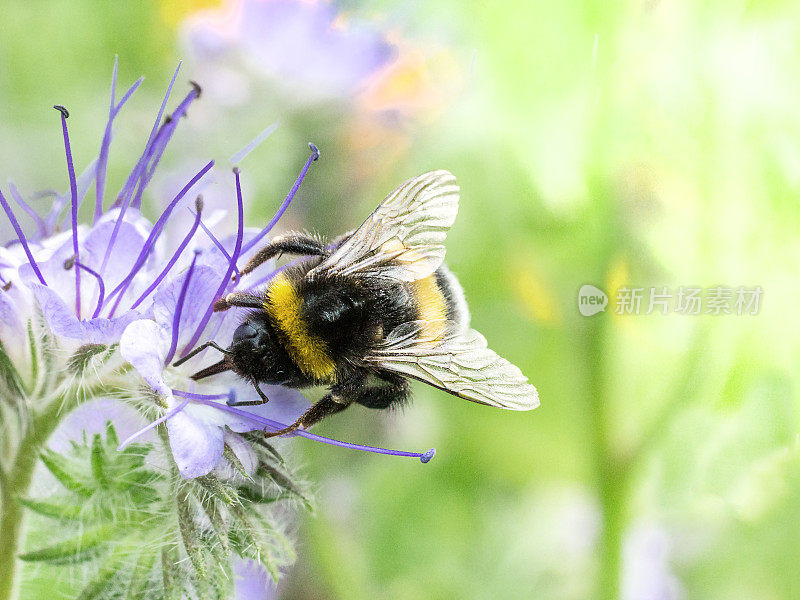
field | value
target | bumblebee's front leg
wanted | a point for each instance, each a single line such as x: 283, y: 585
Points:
x: 339, y: 398
x: 328, y: 405
x: 393, y: 391
x: 293, y: 243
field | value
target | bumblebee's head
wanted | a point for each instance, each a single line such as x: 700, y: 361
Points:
x: 248, y: 334
x: 256, y: 353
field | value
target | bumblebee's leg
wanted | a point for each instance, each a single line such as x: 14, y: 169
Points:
x: 293, y: 243
x: 394, y: 393
x: 261, y: 393
x: 238, y: 299
x: 325, y: 407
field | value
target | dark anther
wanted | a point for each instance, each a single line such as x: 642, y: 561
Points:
x: 236, y: 170
x: 167, y: 119
x: 69, y: 263
x: 314, y: 150
x: 198, y: 203
x: 62, y: 110
x: 196, y: 87
x: 6, y: 286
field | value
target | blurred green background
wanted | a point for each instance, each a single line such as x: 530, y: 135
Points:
x: 638, y: 144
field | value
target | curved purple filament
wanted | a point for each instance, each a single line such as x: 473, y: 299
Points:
x: 124, y: 197
x: 73, y: 190
x: 27, y: 208
x: 176, y: 318
x: 102, y: 159
x: 423, y: 456
x: 185, y: 242
x: 168, y: 415
x: 100, y: 284
x: 314, y: 156
x: 231, y: 267
x: 21, y: 237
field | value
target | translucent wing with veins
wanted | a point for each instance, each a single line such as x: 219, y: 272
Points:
x: 459, y: 363
x: 403, y: 238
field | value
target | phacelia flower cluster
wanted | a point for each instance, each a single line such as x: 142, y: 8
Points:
x: 124, y: 282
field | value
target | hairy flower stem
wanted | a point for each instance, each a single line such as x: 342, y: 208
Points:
x: 15, y: 482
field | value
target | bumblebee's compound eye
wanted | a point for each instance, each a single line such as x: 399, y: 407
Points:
x: 245, y: 331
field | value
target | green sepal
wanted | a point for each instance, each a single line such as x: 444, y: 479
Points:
x: 76, y: 549
x: 9, y: 374
x: 230, y: 456
x: 98, y: 459
x: 34, y: 357
x: 59, y: 467
x: 188, y: 529
x: 141, y: 576
x: 170, y: 574
x: 217, y: 489
x: 103, y: 578
x: 262, y: 446
x: 215, y: 517
x: 80, y: 360
x: 67, y: 510
x: 284, y: 482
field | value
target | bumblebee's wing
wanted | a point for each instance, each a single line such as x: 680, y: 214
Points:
x: 403, y: 237
x: 459, y: 363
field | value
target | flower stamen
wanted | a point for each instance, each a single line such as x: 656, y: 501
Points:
x: 100, y: 284
x: 282, y: 209
x: 21, y: 237
x: 231, y: 266
x: 153, y: 237
x: 102, y: 159
x: 73, y: 190
x: 185, y: 242
x: 161, y: 141
x: 124, y: 196
x: 176, y: 319
x: 167, y: 415
x: 424, y: 457
x: 237, y: 158
x: 27, y: 208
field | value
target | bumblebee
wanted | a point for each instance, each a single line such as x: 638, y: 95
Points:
x: 368, y: 312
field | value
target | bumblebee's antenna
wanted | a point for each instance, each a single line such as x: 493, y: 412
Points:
x: 198, y: 350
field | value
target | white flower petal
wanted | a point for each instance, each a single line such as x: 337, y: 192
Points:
x: 144, y: 344
x: 196, y: 446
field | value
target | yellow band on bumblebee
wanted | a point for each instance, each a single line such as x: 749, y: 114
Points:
x: 308, y: 351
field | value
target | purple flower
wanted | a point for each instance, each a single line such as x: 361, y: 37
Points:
x: 150, y: 288
x: 118, y: 280
x: 305, y: 48
x: 252, y: 581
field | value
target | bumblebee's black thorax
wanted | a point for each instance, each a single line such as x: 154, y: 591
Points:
x: 317, y: 331
x: 328, y: 325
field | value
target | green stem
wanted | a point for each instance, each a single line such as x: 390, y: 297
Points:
x: 610, y: 467
x: 16, y: 484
